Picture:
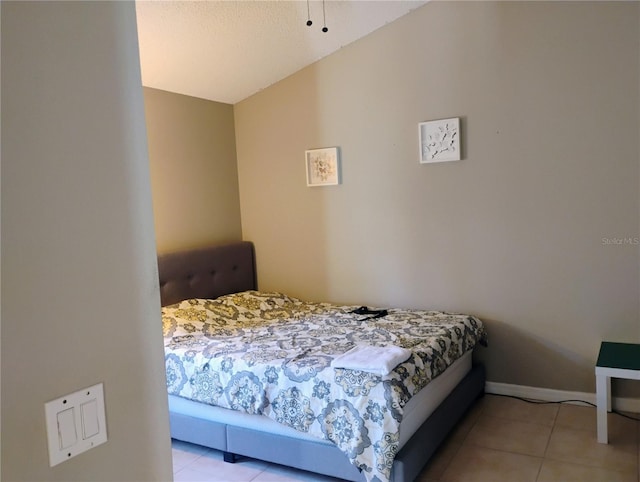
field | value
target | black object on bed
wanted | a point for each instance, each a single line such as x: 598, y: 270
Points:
x: 209, y: 273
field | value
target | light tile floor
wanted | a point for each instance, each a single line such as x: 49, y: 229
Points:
x: 500, y: 439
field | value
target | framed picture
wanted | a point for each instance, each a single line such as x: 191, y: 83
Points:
x: 323, y: 166
x: 440, y: 140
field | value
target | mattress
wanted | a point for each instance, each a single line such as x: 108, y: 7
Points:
x: 416, y: 411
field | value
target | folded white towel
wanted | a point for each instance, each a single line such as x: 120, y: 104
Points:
x: 380, y: 360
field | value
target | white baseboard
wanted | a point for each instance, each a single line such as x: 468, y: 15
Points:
x: 549, y: 395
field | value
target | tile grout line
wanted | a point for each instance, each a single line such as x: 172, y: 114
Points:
x: 546, y: 448
x: 446, y: 466
x: 462, y: 442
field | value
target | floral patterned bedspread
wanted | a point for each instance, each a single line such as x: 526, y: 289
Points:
x: 270, y: 354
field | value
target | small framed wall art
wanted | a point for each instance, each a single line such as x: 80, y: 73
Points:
x: 323, y: 166
x: 440, y: 140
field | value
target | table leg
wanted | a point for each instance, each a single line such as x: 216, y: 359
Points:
x: 603, y: 398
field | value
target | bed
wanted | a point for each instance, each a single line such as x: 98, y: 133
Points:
x: 364, y: 426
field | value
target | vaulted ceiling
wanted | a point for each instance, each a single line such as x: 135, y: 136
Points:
x: 227, y: 50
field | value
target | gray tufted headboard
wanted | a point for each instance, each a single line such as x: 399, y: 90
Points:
x: 207, y: 272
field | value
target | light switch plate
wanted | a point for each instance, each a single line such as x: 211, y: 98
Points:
x: 75, y: 423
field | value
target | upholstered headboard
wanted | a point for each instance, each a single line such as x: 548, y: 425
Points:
x: 207, y: 272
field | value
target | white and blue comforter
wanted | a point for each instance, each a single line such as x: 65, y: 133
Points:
x: 270, y: 354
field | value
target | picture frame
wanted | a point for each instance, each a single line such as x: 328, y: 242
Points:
x: 322, y: 166
x: 439, y: 140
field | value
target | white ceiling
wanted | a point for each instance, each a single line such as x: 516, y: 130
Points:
x: 227, y: 50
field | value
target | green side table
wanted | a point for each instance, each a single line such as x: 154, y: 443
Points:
x: 618, y: 360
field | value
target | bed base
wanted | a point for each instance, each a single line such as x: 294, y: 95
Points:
x: 328, y: 460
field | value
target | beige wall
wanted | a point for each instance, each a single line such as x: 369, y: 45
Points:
x: 548, y: 94
x: 80, y: 300
x: 194, y: 177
